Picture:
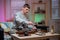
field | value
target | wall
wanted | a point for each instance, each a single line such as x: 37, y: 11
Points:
x: 2, y: 17
x: 8, y: 8
x: 56, y: 21
x: 8, y: 11
x: 57, y: 25
x: 13, y: 6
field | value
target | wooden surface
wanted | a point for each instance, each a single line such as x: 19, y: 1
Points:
x: 34, y: 36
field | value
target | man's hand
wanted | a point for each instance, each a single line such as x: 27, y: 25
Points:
x: 30, y: 23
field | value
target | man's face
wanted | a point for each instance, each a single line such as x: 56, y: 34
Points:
x: 25, y: 10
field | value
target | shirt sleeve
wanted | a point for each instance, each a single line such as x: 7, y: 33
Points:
x: 18, y: 18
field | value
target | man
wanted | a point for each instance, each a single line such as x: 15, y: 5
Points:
x: 21, y: 17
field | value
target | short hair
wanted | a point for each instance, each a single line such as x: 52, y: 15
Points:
x: 26, y: 5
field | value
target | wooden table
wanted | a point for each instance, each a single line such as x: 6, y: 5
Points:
x: 35, y: 37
